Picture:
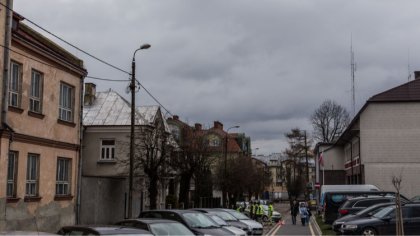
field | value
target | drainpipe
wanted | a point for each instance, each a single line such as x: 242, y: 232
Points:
x: 6, y: 60
x: 360, y: 161
x: 351, y: 161
x: 79, y: 168
x: 6, y: 66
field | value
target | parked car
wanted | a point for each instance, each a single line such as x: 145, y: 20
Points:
x: 367, y: 212
x: 256, y: 227
x: 230, y: 219
x: 101, y: 230
x: 235, y: 231
x: 384, y: 222
x: 333, y: 201
x: 359, y: 203
x: 343, y: 188
x: 157, y: 226
x: 415, y: 199
x: 197, y: 222
x: 25, y: 233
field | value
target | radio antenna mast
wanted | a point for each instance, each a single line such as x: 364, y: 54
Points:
x: 353, y: 70
x: 408, y: 66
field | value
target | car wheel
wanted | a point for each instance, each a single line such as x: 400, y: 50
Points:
x: 369, y: 231
x: 265, y: 218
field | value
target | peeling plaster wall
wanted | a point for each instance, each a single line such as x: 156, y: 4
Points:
x: 34, y: 216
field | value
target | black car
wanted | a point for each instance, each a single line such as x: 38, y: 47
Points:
x: 195, y: 221
x: 333, y: 201
x: 359, y: 203
x: 101, y: 230
x: 158, y: 226
x: 231, y: 220
x: 384, y: 222
x: 367, y: 212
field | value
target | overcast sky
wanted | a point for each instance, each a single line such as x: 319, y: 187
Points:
x: 263, y: 65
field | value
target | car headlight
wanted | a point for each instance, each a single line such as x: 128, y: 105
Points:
x: 349, y: 226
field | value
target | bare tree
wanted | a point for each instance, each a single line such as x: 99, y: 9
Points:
x: 151, y: 157
x: 396, y: 181
x: 191, y: 160
x: 297, y: 151
x: 329, y: 121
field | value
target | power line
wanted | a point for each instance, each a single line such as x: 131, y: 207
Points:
x: 91, y: 77
x: 89, y: 54
x: 68, y: 43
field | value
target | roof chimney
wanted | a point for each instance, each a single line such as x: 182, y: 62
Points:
x: 198, y: 126
x: 218, y: 125
x: 175, y: 117
x: 90, y: 94
x: 416, y: 74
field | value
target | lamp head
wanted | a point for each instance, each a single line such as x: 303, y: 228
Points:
x: 145, y: 46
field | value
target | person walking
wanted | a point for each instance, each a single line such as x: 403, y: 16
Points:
x: 303, y: 212
x: 252, y: 210
x: 294, y: 209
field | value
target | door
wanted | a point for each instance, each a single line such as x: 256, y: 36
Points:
x: 412, y: 221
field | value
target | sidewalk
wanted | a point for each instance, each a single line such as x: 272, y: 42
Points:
x: 287, y: 228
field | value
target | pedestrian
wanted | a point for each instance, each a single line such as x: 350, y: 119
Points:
x: 294, y: 209
x: 303, y: 212
x: 252, y: 210
x: 309, y: 213
x: 259, y: 212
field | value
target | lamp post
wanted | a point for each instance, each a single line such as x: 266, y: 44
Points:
x: 225, y: 170
x: 133, y: 107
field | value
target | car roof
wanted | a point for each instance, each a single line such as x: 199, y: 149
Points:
x: 174, y: 211
x: 150, y: 220
x: 370, y: 197
x: 108, y: 229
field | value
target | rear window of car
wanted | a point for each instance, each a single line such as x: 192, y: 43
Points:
x: 366, y: 203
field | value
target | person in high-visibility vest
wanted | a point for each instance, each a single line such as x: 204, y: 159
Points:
x: 270, y: 213
x: 259, y: 212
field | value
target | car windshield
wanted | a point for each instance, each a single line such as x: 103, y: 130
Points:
x: 218, y: 220
x: 238, y: 215
x: 199, y: 220
x: 372, y: 210
x: 384, y: 212
x: 169, y: 229
x: 224, y: 215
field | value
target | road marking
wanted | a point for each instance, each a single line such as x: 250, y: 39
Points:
x: 312, y: 231
x: 279, y: 225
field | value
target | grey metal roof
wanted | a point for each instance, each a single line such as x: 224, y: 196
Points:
x: 111, y: 109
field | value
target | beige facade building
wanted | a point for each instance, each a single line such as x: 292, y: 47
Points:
x: 40, y: 133
x: 105, y: 167
x: 381, y: 142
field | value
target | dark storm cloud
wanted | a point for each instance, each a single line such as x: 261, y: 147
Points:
x: 264, y: 65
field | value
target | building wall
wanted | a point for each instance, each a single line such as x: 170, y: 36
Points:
x: 390, y: 135
x: 44, y: 135
x: 103, y: 200
x: 92, y: 166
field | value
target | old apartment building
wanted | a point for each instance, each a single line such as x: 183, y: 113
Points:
x: 40, y: 131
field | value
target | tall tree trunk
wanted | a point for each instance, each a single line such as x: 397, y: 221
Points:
x: 153, y: 192
x: 184, y: 189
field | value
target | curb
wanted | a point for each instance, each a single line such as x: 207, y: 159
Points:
x: 316, y: 226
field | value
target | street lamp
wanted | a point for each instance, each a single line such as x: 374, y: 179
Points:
x: 133, y: 108
x: 225, y: 170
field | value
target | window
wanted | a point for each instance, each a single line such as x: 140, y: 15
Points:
x: 32, y: 172
x: 63, y: 176
x: 15, y: 84
x: 11, y: 175
x: 35, y: 99
x: 107, y: 150
x: 66, y: 103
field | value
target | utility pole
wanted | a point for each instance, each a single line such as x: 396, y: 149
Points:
x: 306, y: 158
x: 133, y: 111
